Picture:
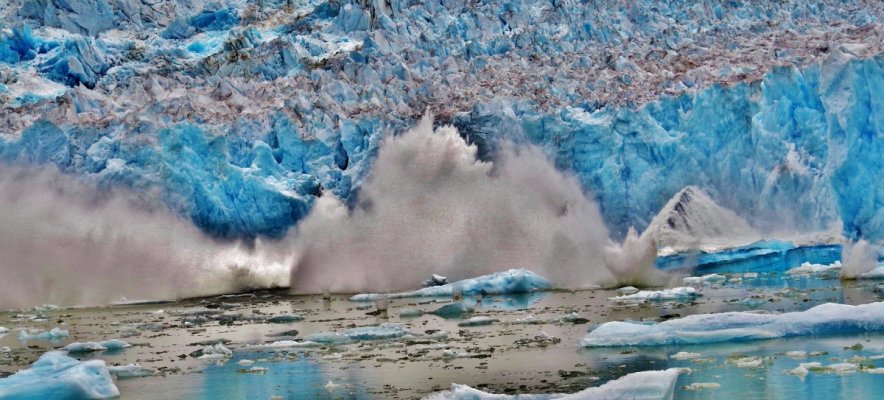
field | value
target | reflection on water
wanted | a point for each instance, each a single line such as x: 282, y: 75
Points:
x: 292, y: 377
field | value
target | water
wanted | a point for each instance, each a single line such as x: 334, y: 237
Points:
x: 506, y: 357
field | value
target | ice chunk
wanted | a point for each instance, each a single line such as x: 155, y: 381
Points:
x: 703, y: 385
x: 214, y: 352
x: 52, y: 335
x: 436, y: 280
x: 644, y: 385
x: 410, y: 313
x: 627, y: 290
x: 285, y: 318
x: 877, y: 273
x: 380, y: 332
x: 453, y: 310
x: 113, y: 344
x: 827, y: 318
x: 478, y: 321
x: 129, y: 371
x: 511, y: 281
x: 683, y: 293
x: 3, y: 330
x: 808, y: 268
x: 57, y: 376
x: 683, y: 355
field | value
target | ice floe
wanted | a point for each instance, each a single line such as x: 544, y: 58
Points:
x: 808, y: 268
x: 53, y: 334
x: 827, y: 318
x: 57, y: 376
x: 510, y: 281
x: 644, y: 385
x: 129, y: 371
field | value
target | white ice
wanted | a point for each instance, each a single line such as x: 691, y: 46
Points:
x: 57, y: 376
x: 511, y: 281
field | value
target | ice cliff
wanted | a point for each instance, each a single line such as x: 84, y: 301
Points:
x: 239, y: 114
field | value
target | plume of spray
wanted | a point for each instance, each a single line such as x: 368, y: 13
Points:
x: 431, y: 205
x: 857, y: 259
x: 65, y: 241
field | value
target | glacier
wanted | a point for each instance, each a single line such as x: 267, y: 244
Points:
x: 242, y: 115
x: 830, y: 318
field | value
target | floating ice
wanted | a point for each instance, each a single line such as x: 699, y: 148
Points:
x: 385, y: 331
x: 3, y: 330
x: 57, y: 376
x: 824, y: 319
x: 683, y: 293
x: 478, y: 321
x: 129, y: 371
x: 808, y: 268
x: 684, y: 355
x: 703, y: 385
x: 113, y: 344
x: 215, y: 352
x: 627, y: 290
x: 511, y: 281
x: 53, y: 334
x: 877, y: 273
x: 645, y: 385
x: 436, y: 280
x: 285, y: 318
x: 453, y: 310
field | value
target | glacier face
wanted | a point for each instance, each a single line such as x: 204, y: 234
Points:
x: 240, y: 115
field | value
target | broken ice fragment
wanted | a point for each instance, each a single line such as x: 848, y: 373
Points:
x: 56, y: 376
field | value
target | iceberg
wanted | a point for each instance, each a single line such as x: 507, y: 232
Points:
x: 829, y: 318
x: 511, y: 281
x: 644, y: 385
x: 129, y: 371
x: 56, y: 376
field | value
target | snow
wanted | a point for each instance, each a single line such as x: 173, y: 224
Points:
x: 644, y: 385
x: 824, y: 319
x: 510, y: 281
x: 113, y: 344
x: 683, y: 293
x: 56, y: 376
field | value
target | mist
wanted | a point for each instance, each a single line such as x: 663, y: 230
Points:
x: 65, y: 241
x: 431, y: 205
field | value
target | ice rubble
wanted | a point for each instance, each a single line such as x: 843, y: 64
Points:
x: 644, y: 385
x: 824, y: 319
x: 241, y: 115
x: 510, y: 281
x: 57, y: 376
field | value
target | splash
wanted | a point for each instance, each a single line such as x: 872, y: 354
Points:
x: 67, y: 242
x: 432, y: 206
x: 858, y: 258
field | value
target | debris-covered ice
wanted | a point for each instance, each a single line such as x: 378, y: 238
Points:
x: 57, y: 376
x: 645, y: 385
x: 511, y: 281
x: 829, y: 318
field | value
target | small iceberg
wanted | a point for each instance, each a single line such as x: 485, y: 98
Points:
x: 379, y: 332
x: 88, y: 347
x: 644, y: 385
x: 453, y: 310
x: 54, y: 334
x: 129, y: 371
x: 3, y: 330
x: 824, y: 319
x: 57, y: 376
x: 284, y: 318
x: 436, y: 280
x: 511, y: 281
x: 478, y: 321
x: 683, y: 293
